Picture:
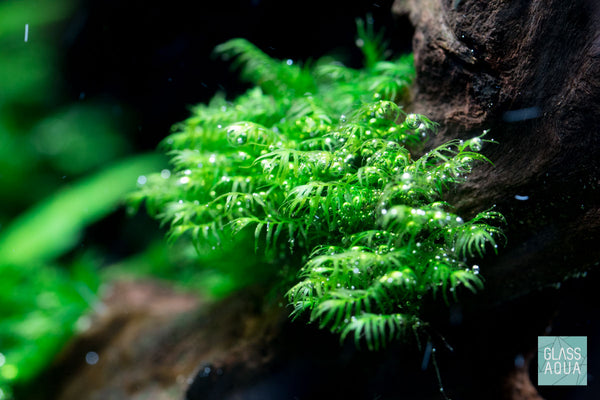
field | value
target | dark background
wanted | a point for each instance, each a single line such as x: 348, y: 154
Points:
x: 156, y: 61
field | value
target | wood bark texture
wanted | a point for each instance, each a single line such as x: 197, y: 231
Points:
x: 529, y: 72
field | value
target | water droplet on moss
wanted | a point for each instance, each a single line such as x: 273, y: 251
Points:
x: 412, y: 121
x: 475, y: 144
x: 237, y: 135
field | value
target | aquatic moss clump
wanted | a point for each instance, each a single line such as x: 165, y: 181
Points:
x: 314, y: 166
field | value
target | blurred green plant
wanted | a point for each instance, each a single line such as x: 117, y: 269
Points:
x: 63, y: 166
x: 41, y: 301
x: 45, y: 139
x: 314, y: 166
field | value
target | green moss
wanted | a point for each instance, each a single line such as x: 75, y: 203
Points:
x: 315, y: 166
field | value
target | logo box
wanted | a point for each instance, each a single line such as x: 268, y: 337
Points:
x: 562, y: 361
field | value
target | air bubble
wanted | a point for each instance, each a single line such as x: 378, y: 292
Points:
x: 475, y: 144
x: 92, y: 358
x: 412, y: 121
x: 237, y: 135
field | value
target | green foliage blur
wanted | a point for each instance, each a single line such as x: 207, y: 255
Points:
x: 64, y: 165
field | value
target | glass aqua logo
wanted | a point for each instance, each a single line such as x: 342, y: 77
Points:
x: 562, y: 360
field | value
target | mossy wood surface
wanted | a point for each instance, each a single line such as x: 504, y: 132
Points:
x: 314, y: 165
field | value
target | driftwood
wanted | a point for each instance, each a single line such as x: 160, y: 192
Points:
x: 528, y: 71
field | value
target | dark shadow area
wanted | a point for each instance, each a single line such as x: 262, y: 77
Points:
x: 157, y: 60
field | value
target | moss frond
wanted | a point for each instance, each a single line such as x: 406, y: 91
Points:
x: 315, y: 165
